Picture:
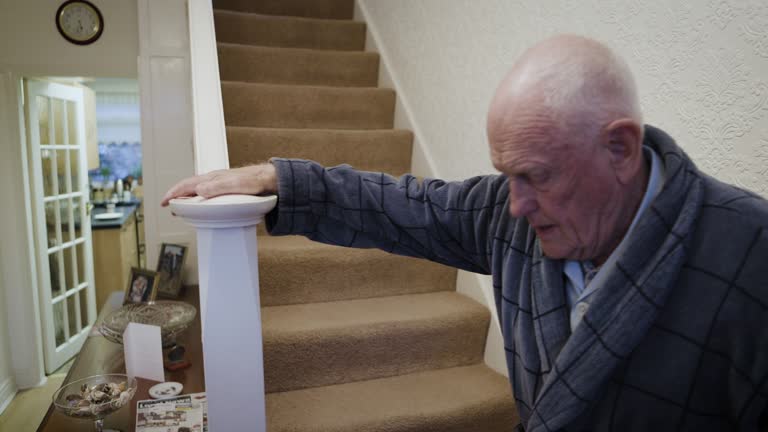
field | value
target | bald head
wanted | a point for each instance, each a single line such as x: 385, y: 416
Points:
x: 576, y: 81
x: 565, y: 128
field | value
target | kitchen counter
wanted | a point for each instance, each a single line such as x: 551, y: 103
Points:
x: 126, y: 210
x: 117, y: 248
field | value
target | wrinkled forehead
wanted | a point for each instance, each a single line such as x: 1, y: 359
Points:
x: 527, y: 133
x: 523, y: 145
x: 523, y: 121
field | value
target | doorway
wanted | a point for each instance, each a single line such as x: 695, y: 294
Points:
x: 84, y: 153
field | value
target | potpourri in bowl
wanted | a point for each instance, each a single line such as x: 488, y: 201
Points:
x: 95, y: 397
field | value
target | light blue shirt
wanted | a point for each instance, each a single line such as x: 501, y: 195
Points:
x: 575, y: 294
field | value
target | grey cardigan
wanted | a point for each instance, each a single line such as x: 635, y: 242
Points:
x: 677, y: 338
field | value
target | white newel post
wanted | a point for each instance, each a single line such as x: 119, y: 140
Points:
x: 230, y: 306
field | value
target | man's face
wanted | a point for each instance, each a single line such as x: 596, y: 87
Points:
x: 564, y: 187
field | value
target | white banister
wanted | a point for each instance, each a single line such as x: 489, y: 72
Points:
x: 210, y: 140
x: 229, y: 274
x: 226, y: 251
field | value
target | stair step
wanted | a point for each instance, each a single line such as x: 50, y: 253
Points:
x: 298, y: 66
x: 288, y: 32
x: 385, y: 150
x: 332, y: 273
x: 463, y: 399
x: 329, y: 9
x: 285, y: 106
x: 318, y: 344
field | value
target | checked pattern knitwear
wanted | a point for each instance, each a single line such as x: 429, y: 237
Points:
x: 675, y: 340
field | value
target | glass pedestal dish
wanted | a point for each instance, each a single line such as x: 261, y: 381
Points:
x: 173, y: 317
x: 96, y: 397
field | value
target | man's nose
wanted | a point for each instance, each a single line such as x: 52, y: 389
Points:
x: 522, y: 198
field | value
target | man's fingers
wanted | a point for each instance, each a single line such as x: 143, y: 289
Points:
x: 250, y: 180
x: 185, y: 187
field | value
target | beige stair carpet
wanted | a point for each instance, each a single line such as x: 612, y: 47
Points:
x: 357, y: 340
x: 386, y: 150
x: 291, y: 106
x: 345, y: 274
x: 288, y: 32
x: 239, y: 62
x: 354, y: 340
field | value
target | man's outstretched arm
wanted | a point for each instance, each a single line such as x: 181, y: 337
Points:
x: 450, y: 223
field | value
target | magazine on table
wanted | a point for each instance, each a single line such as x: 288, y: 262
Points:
x: 184, y: 413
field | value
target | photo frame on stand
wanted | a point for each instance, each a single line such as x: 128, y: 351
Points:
x: 142, y: 286
x: 170, y: 264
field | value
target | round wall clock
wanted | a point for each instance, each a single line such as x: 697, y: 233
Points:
x: 79, y: 21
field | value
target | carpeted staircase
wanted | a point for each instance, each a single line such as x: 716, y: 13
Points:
x: 354, y: 340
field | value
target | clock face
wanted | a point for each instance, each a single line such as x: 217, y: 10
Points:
x: 79, y: 22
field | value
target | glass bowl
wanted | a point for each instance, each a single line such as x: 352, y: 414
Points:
x: 95, y: 397
x: 173, y: 317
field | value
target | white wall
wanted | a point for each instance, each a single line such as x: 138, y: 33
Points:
x: 7, y: 382
x: 30, y: 42
x: 702, y: 70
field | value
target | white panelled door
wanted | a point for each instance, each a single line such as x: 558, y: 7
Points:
x: 60, y: 203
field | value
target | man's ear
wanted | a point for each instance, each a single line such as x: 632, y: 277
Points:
x: 623, y: 139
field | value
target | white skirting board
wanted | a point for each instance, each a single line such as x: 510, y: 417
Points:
x: 7, y: 392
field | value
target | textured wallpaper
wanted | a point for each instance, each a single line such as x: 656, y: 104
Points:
x: 701, y: 67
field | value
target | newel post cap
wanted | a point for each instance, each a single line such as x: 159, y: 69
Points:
x: 224, y: 211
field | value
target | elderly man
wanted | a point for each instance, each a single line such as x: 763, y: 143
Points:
x: 632, y: 289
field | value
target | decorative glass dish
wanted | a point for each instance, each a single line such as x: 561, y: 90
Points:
x: 95, y: 397
x: 173, y: 317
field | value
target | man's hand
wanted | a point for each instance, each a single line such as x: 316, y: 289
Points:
x: 251, y: 180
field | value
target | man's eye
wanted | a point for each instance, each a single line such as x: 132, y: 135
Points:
x: 538, y: 177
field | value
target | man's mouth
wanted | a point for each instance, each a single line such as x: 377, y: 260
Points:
x: 543, y: 230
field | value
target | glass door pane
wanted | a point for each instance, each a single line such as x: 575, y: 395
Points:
x: 43, y: 110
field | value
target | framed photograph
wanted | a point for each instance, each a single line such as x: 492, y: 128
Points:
x: 142, y: 287
x: 170, y: 264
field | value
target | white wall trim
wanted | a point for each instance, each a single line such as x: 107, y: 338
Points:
x: 210, y: 138
x: 475, y: 286
x: 18, y: 264
x: 7, y: 391
x: 166, y: 120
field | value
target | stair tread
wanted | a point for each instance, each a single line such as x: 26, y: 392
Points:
x: 287, y: 31
x: 346, y: 132
x: 298, y: 51
x: 334, y: 9
x: 301, y: 66
x: 454, y: 399
x: 354, y: 315
x: 379, y: 150
x: 287, y: 18
x: 345, y: 273
x: 317, y: 344
x: 300, y: 106
x: 255, y: 86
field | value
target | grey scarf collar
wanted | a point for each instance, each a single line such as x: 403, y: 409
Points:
x: 574, y: 367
